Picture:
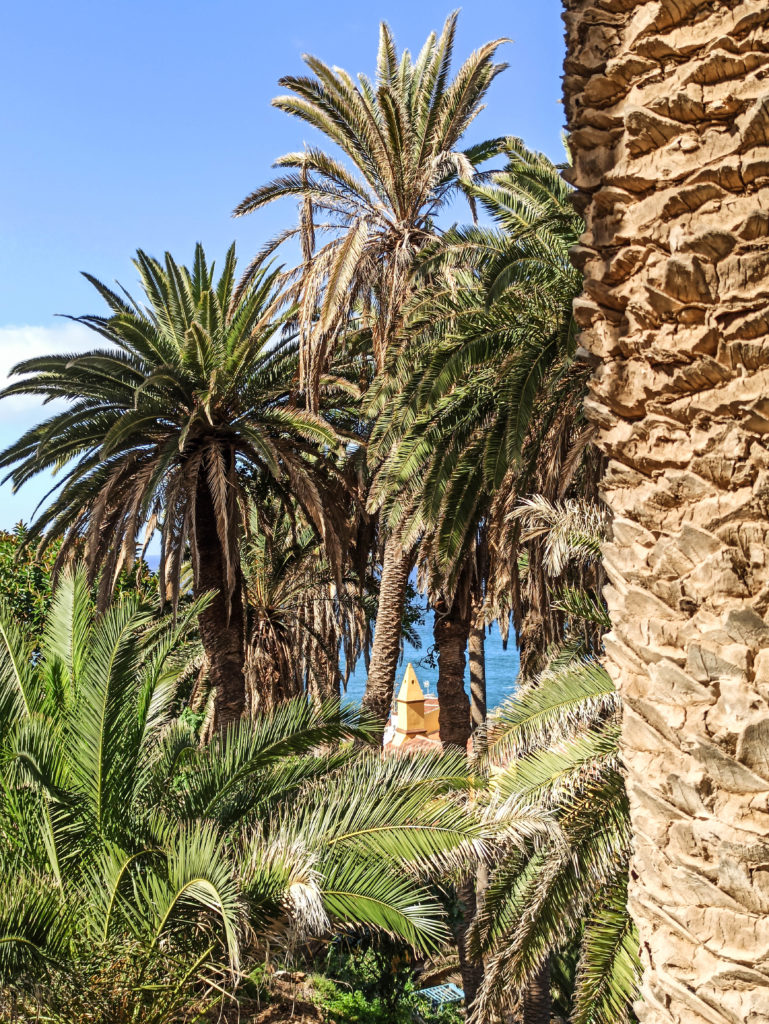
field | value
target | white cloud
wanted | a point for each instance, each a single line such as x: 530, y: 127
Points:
x: 26, y: 342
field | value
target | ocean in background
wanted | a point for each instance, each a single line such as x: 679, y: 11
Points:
x: 501, y: 666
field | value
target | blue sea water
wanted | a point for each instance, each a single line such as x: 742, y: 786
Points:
x: 501, y: 667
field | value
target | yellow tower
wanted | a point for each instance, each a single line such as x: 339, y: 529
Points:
x: 410, y: 720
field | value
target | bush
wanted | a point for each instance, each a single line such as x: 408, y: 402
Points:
x: 26, y: 580
x: 112, y: 985
x: 374, y: 985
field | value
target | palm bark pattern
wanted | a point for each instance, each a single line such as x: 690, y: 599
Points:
x: 222, y: 626
x: 477, y: 656
x: 396, y: 566
x: 668, y: 112
x: 451, y: 630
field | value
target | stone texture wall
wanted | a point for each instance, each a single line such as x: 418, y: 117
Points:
x: 668, y: 112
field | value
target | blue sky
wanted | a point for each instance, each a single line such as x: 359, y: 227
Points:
x: 142, y: 123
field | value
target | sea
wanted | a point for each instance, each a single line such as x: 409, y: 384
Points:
x: 502, y: 666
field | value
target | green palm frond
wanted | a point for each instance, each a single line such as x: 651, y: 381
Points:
x: 35, y: 926
x: 555, y: 707
x: 198, y: 879
x: 554, y: 746
x: 609, y: 970
x: 191, y: 380
x: 363, y: 892
x: 581, y: 605
x: 573, y: 529
x: 400, y: 136
x: 488, y: 345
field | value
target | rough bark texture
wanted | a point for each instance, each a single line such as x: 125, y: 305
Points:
x: 222, y: 624
x: 477, y: 651
x: 537, y: 1002
x: 537, y: 1005
x: 668, y: 111
x: 450, y: 631
x: 385, y: 652
x: 470, y: 969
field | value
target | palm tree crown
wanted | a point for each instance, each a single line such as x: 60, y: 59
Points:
x: 194, y: 388
x: 401, y: 134
x: 489, y: 364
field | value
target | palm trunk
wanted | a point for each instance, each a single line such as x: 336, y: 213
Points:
x: 222, y: 623
x: 477, y: 649
x: 537, y: 1001
x: 669, y: 117
x: 385, y: 652
x: 470, y: 969
x: 450, y: 631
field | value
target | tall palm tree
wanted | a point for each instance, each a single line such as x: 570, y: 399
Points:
x: 490, y: 366
x: 675, y: 314
x: 467, y: 412
x: 194, y: 387
x: 401, y: 136
x: 485, y: 394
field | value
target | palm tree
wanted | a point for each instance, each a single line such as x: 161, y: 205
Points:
x: 466, y: 415
x: 300, y: 616
x: 675, y: 314
x: 117, y: 825
x: 489, y: 370
x: 554, y: 745
x: 400, y: 135
x: 194, y: 388
x: 486, y: 395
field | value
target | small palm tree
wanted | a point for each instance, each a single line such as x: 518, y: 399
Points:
x: 117, y: 826
x: 401, y: 135
x: 193, y: 390
x: 301, y: 617
x: 554, y: 746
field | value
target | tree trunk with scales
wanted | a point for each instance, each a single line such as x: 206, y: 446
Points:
x: 385, y: 652
x: 222, y: 622
x: 451, y: 630
x: 668, y: 112
x: 477, y: 656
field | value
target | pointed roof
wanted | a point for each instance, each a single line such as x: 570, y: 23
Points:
x: 410, y: 690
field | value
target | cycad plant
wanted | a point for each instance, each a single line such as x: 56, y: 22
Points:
x: 193, y: 388
x: 554, y: 746
x: 118, y: 829
x: 401, y: 137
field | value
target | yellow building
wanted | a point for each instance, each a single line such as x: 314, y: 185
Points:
x: 416, y: 716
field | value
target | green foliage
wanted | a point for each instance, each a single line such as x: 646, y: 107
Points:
x: 191, y: 389
x: 118, y: 827
x: 488, y: 345
x: 27, y: 579
x: 363, y: 219
x: 375, y: 986
x: 116, y: 984
x: 555, y: 745
x: 138, y: 865
x: 376, y: 967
